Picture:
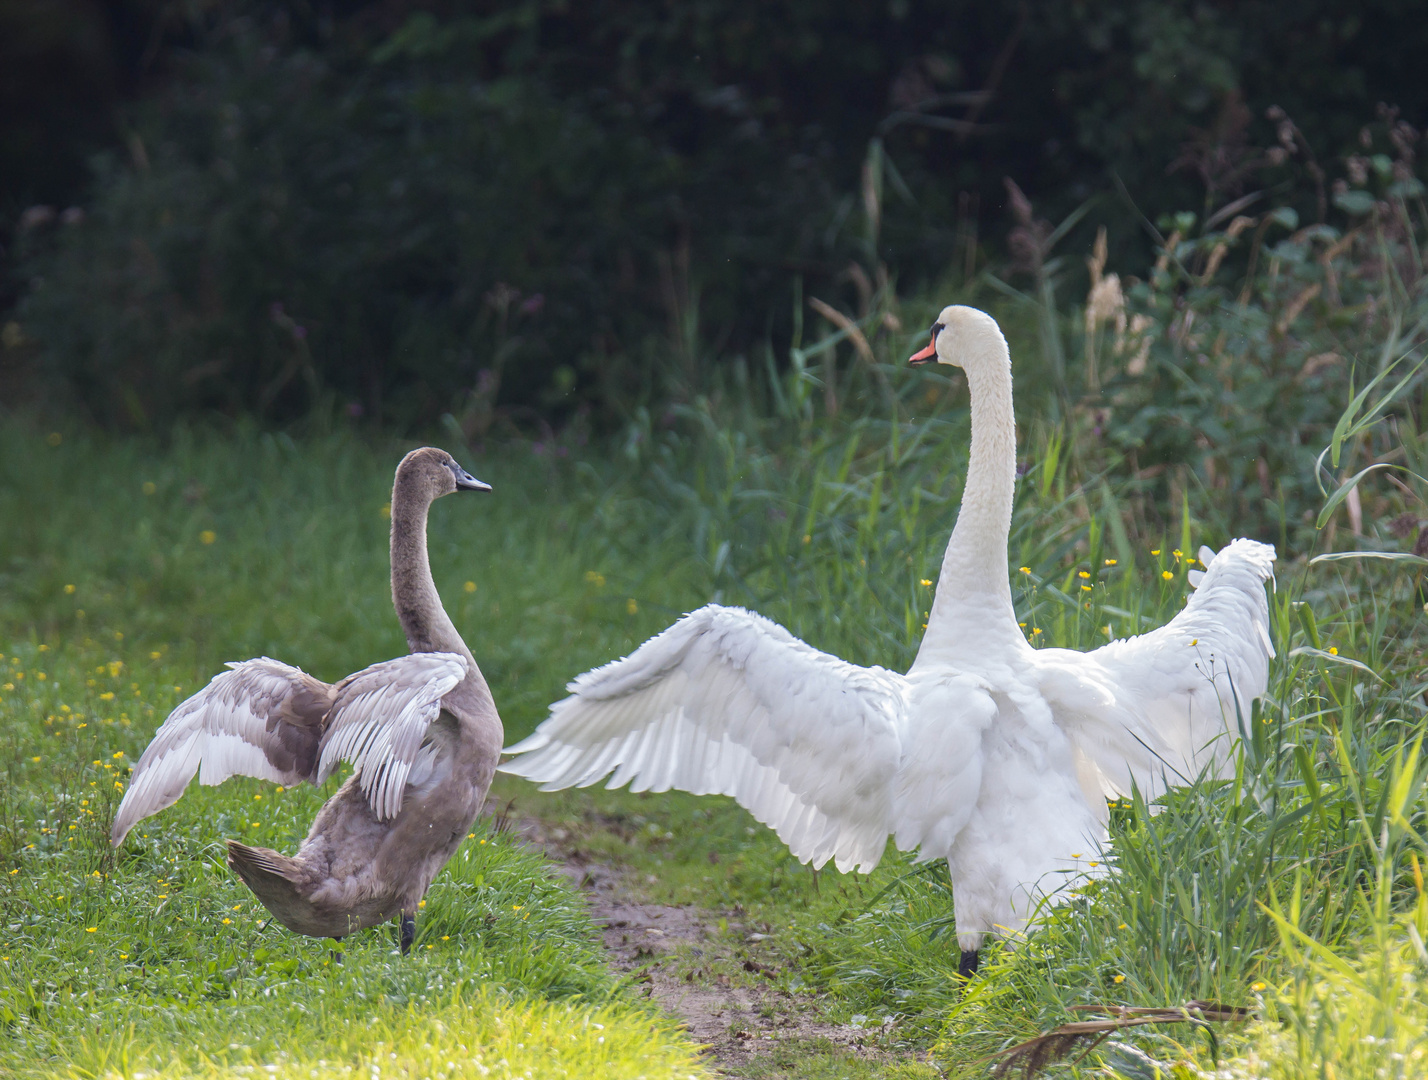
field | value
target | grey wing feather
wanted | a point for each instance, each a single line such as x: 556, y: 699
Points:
x: 379, y: 720
x: 262, y: 718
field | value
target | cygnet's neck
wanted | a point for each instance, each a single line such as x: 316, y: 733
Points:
x: 972, y: 613
x: 424, y: 621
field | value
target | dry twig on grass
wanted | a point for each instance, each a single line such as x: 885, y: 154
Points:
x: 1050, y: 1046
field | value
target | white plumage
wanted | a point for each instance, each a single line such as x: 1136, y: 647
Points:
x: 989, y: 753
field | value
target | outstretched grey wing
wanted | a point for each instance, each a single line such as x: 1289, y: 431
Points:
x: 262, y: 718
x: 379, y: 720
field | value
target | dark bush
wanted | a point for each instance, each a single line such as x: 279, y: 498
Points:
x: 402, y: 209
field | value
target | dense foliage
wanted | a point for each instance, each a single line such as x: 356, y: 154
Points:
x: 408, y: 209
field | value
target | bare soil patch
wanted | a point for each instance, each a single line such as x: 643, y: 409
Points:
x: 690, y: 962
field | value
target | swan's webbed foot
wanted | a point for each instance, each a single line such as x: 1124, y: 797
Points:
x: 967, y: 966
x: 408, y: 933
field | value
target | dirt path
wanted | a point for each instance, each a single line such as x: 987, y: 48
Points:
x: 690, y: 965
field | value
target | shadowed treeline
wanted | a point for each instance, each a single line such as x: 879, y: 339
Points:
x: 402, y: 209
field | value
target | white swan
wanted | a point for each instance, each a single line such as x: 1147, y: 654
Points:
x: 992, y: 754
x: 421, y: 730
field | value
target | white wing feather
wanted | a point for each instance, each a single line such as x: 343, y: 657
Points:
x: 379, y: 719
x: 262, y: 718
x: 728, y: 702
x: 1159, y: 708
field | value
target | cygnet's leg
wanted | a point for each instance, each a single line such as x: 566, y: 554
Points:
x: 337, y: 955
x: 408, y: 932
x: 967, y: 966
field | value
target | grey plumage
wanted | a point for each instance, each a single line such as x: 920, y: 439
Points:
x: 421, y: 731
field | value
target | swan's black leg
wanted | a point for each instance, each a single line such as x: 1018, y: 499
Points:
x: 408, y: 933
x: 337, y: 955
x: 967, y: 966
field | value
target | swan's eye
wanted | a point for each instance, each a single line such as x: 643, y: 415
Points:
x: 937, y: 328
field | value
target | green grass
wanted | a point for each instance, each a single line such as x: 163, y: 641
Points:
x: 133, y: 569
x: 122, y: 592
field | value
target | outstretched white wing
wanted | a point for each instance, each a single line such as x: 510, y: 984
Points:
x: 728, y: 702
x: 1161, y: 707
x: 379, y: 719
x: 262, y: 718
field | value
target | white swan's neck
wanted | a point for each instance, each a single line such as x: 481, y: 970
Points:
x: 972, y: 613
x: 424, y: 621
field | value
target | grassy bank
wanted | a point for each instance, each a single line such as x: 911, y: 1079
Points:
x: 131, y: 573
x: 822, y: 496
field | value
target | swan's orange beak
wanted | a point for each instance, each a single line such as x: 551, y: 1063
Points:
x: 926, y: 356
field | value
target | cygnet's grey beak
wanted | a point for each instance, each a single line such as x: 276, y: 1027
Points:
x: 466, y: 482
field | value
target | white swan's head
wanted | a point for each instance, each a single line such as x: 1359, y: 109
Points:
x: 961, y: 334
x: 433, y: 473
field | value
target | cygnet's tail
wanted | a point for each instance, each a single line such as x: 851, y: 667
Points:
x: 276, y: 880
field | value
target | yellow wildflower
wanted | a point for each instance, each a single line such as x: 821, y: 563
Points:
x: 1166, y: 574
x: 631, y: 607
x: 926, y: 583
x: 470, y: 586
x: 1119, y: 979
x: 207, y: 536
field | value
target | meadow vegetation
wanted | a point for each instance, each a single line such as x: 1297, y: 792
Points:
x: 1266, y: 379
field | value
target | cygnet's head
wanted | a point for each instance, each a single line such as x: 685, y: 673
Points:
x: 961, y: 335
x: 432, y: 473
